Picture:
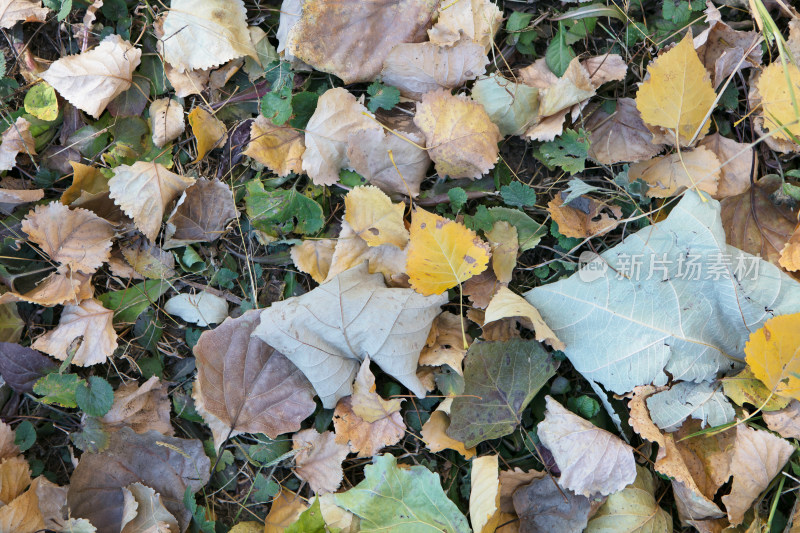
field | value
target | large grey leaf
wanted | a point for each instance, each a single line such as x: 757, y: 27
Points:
x: 702, y: 401
x: 627, y: 331
x: 328, y: 332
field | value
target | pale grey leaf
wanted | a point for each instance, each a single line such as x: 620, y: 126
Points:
x: 703, y: 401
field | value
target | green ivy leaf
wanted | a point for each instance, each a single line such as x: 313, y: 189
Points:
x: 517, y: 194
x: 25, y: 435
x: 458, y: 197
x: 58, y: 389
x: 382, y: 96
x: 569, y: 151
x: 92, y: 437
x: 96, y: 397
x: 282, y: 211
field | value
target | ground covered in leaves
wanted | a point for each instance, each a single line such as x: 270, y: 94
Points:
x: 399, y: 266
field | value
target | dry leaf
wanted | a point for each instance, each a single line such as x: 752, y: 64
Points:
x: 284, y: 511
x: 373, y: 217
x: 328, y: 332
x: 279, y: 148
x: 505, y: 246
x: 203, y: 308
x: 395, y: 162
x: 366, y: 438
x: 460, y: 136
x: 351, y: 39
x: 55, y: 289
x: 17, y: 138
x: 90, y: 80
x: 13, y: 11
x: 678, y: 95
x: 510, y: 481
x: 442, y: 253
x: 22, y: 515
x: 512, y: 106
x: 633, y: 510
x: 149, y: 260
x: 434, y: 434
x: 85, y: 179
x: 141, y: 408
x: 776, y: 100
x: 319, y: 459
x: 785, y: 422
x: 577, y: 223
x: 143, y: 191
x: 314, y: 257
x: 186, y: 83
x: 669, y: 175
x: 592, y: 461
x: 721, y: 48
x: 573, y: 88
x: 351, y: 250
x: 507, y: 304
x: 542, y: 506
x: 338, y: 113
x: 247, y: 385
x: 209, y: 131
x: 420, y: 68
x: 200, y: 34
x: 757, y: 225
x: 790, y: 254
x: 15, y: 476
x: 621, y: 136
x: 8, y: 448
x: 166, y: 121
x: 772, y: 354
x: 605, y: 68
x: 478, y: 20
x: 201, y: 215
x: 481, y: 288
x: 366, y: 403
x: 151, y: 515
x: 89, y: 320
x: 445, y: 344
x: 737, y: 161
x: 758, y: 456
x: 11, y: 198
x: 484, y: 495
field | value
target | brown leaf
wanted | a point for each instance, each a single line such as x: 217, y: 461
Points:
x: 141, y: 408
x: 434, y: 432
x: 541, y: 506
x: 15, y: 476
x: 149, y: 260
x: 21, y: 367
x: 186, y: 83
x: 573, y: 222
x: 151, y: 515
x: 481, y: 289
x: 478, y: 20
x: 351, y: 250
x: 201, y: 215
x: 279, y: 148
x: 461, y: 137
x: 166, y: 464
x: 10, y: 198
x: 365, y: 402
x: 22, y: 515
x: 790, y: 254
x: 510, y: 481
x: 319, y: 459
x: 314, y: 257
x: 366, y: 438
x: 13, y: 11
x: 209, y: 131
x: 621, y: 136
x: 736, y: 161
x: 669, y: 175
x: 85, y: 179
x: 785, y: 422
x: 55, y: 289
x: 284, y: 511
x: 16, y: 139
x: 246, y: 384
x: 420, y: 68
x: 757, y: 225
x: 166, y: 121
x: 445, y: 344
x: 351, y: 39
x: 507, y: 304
x: 89, y: 320
x: 8, y: 448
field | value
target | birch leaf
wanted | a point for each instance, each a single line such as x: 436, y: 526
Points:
x: 478, y: 20
x: 13, y: 11
x: 166, y: 121
x: 621, y: 136
x: 671, y: 174
x: 17, y: 138
x: 319, y: 459
x: 772, y: 353
x: 632, y: 510
x: 374, y: 217
x: 279, y: 148
x: 201, y: 215
x: 209, y: 131
x: 89, y: 320
x: 776, y: 100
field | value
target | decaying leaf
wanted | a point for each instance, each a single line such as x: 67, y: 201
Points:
x: 632, y: 510
x: 55, y: 289
x: 621, y: 136
x: 21, y: 367
x: 484, y: 495
x: 478, y: 20
x: 143, y: 191
x: 790, y: 254
x: 373, y: 217
x: 678, y: 94
x: 89, y: 320
x: 186, y: 83
x: 16, y: 138
x: 319, y: 459
x: 366, y: 438
x: 204, y: 34
x: 22, y: 515
x: 592, y: 461
x: 201, y: 215
x: 141, y: 408
x: 209, y: 131
x: 203, y: 308
x: 351, y: 39
x: 702, y: 401
x: 328, y: 332
x: 512, y: 106
x: 442, y: 253
x: 10, y: 198
x: 745, y: 387
x: 351, y: 250
x: 597, y: 218
x: 785, y: 422
x: 669, y: 175
x: 284, y: 511
x: 90, y: 80
x: 151, y: 515
x: 434, y: 433
x: 279, y: 148
x: 15, y: 476
x: 166, y: 120
x: 737, y: 163
x: 505, y: 246
x: 542, y: 506
x: 445, y: 344
x: 85, y: 179
x: 13, y: 11
x: 776, y: 100
x: 507, y: 304
x: 148, y: 260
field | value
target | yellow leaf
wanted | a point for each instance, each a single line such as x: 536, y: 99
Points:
x: 505, y: 245
x: 434, y: 432
x: 85, y: 179
x: 506, y: 304
x: 247, y: 527
x: 442, y: 253
x: 209, y: 130
x: 22, y: 515
x: 284, y: 511
x: 773, y: 353
x: 790, y: 255
x: 279, y: 148
x: 678, y: 94
x: 374, y: 217
x: 314, y: 257
x: 15, y: 476
x: 484, y: 497
x: 776, y: 100
x: 670, y: 174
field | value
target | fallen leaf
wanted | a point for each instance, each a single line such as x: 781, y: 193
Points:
x: 319, y: 459
x: 573, y: 88
x: 771, y: 353
x: 52, y: 502
x: 11, y: 198
x: 779, y: 113
x: 166, y: 464
x: 338, y: 113
x: 478, y: 20
x: 373, y: 217
x: 632, y: 510
x: 22, y: 515
x: 484, y: 495
x: 434, y: 434
x: 55, y: 289
x: 677, y: 338
x: 8, y: 448
x: 354, y: 316
x: 592, y: 461
x: 501, y: 379
x: 76, y: 238
x: 314, y: 257
x: 356, y: 56
x: 151, y: 515
x: 461, y: 138
x: 351, y: 250
x: 166, y: 121
x: 366, y: 403
x: 481, y: 288
x: 670, y: 175
x: 790, y: 254
x: 143, y: 191
x: 512, y: 106
x: 737, y: 163
x: 507, y: 304
x: 201, y: 215
x: 21, y: 367
x: 505, y: 246
x: 89, y: 320
x: 141, y: 408
x: 286, y: 508
x: 149, y: 261
x: 186, y: 83
x: 598, y: 218
x: 90, y: 80
x: 744, y: 387
x: 419, y: 68
x: 785, y: 422
x: 442, y: 253
x: 13, y: 11
x: 758, y: 456
x: 703, y: 401
x: 11, y: 324
x: 366, y: 438
x: 446, y: 343
x: 621, y: 136
x: 203, y: 308
x: 510, y: 481
x: 15, y: 139
x: 605, y: 68
x: 425, y: 504
x: 246, y: 384
x: 15, y: 476
x: 209, y: 131
x: 204, y: 34
x: 279, y: 148
x: 678, y: 94
x: 85, y: 179
x: 542, y: 506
